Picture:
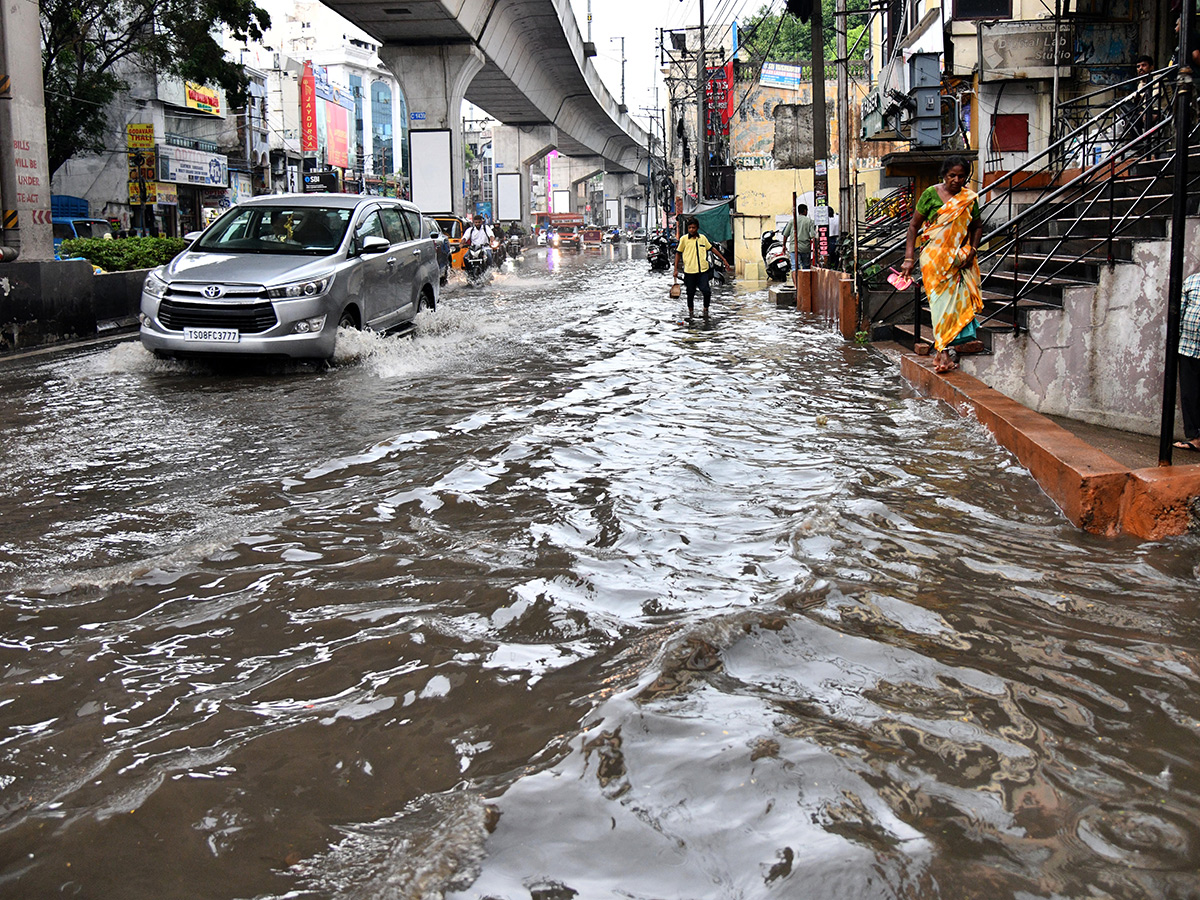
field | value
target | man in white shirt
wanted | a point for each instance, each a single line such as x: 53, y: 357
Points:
x: 835, y: 234
x: 479, y: 235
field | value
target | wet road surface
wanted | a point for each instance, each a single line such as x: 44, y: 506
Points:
x: 562, y: 596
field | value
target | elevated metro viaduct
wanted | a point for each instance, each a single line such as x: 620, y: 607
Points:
x: 523, y: 61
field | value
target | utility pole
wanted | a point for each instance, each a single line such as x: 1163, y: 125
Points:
x: 843, y: 114
x: 1183, y: 103
x: 622, y: 40
x: 820, y: 135
x: 701, y: 118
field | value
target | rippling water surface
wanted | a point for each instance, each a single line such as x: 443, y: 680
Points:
x: 565, y: 597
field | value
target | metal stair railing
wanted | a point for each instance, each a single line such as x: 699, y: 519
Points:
x: 1092, y: 194
x: 1116, y: 145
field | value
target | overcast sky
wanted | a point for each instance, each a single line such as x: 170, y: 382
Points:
x: 638, y: 22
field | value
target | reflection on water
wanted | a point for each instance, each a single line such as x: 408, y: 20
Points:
x: 561, y: 596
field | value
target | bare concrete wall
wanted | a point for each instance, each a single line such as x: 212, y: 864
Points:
x: 45, y: 303
x: 1099, y: 360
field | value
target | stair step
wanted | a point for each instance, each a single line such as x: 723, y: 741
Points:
x: 1142, y: 227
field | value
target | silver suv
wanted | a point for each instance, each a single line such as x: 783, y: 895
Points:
x: 279, y: 274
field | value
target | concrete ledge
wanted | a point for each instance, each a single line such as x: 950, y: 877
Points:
x: 1092, y: 489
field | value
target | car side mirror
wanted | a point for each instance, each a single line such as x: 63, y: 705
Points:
x: 374, y: 244
x: 192, y: 235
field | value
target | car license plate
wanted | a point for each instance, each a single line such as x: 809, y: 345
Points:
x: 216, y: 335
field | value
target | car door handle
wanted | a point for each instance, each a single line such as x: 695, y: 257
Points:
x: 391, y: 261
x: 416, y: 253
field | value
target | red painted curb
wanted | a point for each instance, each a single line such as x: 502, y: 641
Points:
x: 1092, y: 489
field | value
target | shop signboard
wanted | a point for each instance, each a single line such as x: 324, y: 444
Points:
x: 201, y: 98
x: 781, y: 75
x: 167, y: 194
x: 337, y: 139
x: 183, y: 166
x: 320, y: 181
x: 308, y: 110
x: 139, y: 136
x: 142, y: 165
x: 135, y: 192
x: 1025, y: 49
x: 242, y: 187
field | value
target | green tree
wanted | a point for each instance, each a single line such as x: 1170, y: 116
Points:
x: 87, y: 46
x: 765, y: 37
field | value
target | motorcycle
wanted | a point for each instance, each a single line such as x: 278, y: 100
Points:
x: 660, y: 251
x: 498, y: 253
x: 475, y: 265
x: 719, y: 273
x: 512, y: 246
x: 775, y: 256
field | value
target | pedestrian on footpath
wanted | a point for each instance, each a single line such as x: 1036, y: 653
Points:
x: 835, y: 235
x: 692, y: 254
x: 799, y: 234
x: 1189, y: 363
x: 949, y: 225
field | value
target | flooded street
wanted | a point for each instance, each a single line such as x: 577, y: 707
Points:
x: 564, y: 597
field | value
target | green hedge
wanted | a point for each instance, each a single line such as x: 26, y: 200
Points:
x: 123, y: 254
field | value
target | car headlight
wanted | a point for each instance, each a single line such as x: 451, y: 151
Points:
x: 154, y: 285
x: 313, y: 288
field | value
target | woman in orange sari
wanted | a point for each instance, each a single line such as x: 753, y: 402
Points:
x: 950, y: 226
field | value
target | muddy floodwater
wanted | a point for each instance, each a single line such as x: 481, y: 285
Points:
x: 559, y: 597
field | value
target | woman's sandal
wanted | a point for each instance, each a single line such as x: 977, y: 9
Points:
x: 1187, y: 445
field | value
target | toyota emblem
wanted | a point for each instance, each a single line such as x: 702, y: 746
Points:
x: 213, y: 291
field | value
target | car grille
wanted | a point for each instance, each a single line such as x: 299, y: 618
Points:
x: 247, y: 318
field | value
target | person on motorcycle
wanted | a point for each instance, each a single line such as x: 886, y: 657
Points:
x: 692, y: 254
x: 479, y: 235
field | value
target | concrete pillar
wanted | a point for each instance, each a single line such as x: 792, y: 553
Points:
x: 515, y: 148
x: 434, y: 81
x: 24, y: 153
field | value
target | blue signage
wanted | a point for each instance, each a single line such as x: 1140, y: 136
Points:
x: 417, y: 117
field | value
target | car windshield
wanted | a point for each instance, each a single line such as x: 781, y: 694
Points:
x: 281, y: 230
x: 566, y: 229
x: 452, y: 228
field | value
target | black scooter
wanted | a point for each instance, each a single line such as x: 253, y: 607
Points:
x: 660, y: 252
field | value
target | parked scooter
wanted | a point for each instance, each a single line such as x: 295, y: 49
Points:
x: 775, y: 256
x: 719, y: 274
x: 660, y: 251
x: 475, y: 265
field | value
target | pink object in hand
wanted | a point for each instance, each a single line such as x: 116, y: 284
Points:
x: 898, y: 281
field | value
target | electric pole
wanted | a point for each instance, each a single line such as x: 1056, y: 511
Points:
x: 622, y: 40
x: 843, y: 113
x: 701, y: 123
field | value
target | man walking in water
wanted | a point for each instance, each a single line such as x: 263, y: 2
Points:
x: 692, y: 254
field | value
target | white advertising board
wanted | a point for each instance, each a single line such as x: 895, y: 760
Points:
x: 612, y: 213
x: 508, y: 197
x: 432, y: 179
x: 562, y: 202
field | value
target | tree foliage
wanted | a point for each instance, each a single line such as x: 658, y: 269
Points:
x: 781, y: 37
x: 89, y: 46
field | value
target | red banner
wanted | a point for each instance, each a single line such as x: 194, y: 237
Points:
x: 308, y: 110
x: 719, y: 93
x: 337, y: 137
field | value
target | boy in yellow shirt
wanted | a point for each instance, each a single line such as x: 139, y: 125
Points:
x: 692, y: 254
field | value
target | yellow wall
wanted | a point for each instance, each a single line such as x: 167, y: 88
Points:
x: 762, y: 194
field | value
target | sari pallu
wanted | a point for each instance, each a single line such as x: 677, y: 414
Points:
x: 952, y: 288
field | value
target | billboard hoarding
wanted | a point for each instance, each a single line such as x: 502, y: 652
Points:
x: 431, y: 174
x: 508, y: 197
